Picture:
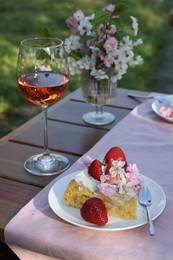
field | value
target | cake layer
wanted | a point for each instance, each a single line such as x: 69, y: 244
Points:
x: 117, y: 206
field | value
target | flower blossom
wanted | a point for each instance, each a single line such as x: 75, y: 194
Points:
x: 132, y: 175
x: 108, y: 60
x: 72, y: 43
x: 99, y: 74
x: 132, y: 171
x: 106, y: 189
x: 86, y: 63
x: 111, y: 30
x: 110, y: 44
x: 117, y: 168
x: 85, y: 26
x: 166, y: 110
x: 134, y: 25
x: 72, y: 22
x: 99, y: 48
x: 109, y: 8
x: 73, y: 66
x: 78, y: 15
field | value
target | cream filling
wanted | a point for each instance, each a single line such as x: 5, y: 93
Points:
x: 83, y: 179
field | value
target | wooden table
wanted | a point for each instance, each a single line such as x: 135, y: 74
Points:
x: 68, y: 134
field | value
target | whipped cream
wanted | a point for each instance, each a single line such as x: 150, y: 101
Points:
x: 128, y: 184
x: 83, y: 179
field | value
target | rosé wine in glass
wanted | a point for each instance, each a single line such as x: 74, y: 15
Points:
x: 43, y: 88
x: 43, y: 78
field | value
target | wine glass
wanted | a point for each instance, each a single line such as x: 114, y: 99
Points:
x: 43, y: 78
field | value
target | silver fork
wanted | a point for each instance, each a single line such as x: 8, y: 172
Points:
x: 144, y: 198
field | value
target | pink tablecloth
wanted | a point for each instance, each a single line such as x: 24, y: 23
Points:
x: 37, y: 233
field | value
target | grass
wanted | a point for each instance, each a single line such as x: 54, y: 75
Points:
x: 23, y: 19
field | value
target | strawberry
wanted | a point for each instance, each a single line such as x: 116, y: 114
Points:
x: 94, y: 211
x: 116, y: 179
x: 115, y: 153
x: 109, y: 165
x: 95, y: 169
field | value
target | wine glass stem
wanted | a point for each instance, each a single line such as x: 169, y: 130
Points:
x: 46, y: 149
x: 99, y: 110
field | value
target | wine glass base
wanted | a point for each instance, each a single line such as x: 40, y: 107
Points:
x: 103, y: 118
x: 41, y: 165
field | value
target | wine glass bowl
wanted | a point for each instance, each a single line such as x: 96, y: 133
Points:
x: 43, y: 78
x: 43, y: 88
x: 98, y: 93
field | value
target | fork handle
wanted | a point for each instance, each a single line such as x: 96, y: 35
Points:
x: 150, y: 222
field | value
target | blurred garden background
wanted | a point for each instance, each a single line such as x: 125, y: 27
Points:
x: 23, y: 19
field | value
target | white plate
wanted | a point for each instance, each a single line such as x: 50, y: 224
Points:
x: 73, y: 216
x: 158, y: 101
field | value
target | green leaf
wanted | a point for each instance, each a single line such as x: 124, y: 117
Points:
x: 45, y: 33
x: 42, y: 55
x: 100, y: 17
x: 120, y: 8
x: 86, y: 38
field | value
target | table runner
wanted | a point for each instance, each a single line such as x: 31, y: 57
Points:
x: 37, y: 233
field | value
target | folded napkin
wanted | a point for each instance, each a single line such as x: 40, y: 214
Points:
x: 37, y: 233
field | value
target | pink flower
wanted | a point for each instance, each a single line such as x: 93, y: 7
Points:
x: 132, y: 167
x: 109, y: 8
x: 111, y: 30
x: 86, y: 160
x: 101, y: 55
x: 78, y: 15
x: 166, y: 112
x: 94, y: 45
x: 108, y: 60
x: 106, y: 189
x: 132, y: 176
x: 110, y: 44
x: 72, y: 22
x: 100, y: 28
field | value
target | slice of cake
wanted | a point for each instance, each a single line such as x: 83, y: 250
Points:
x: 114, y: 181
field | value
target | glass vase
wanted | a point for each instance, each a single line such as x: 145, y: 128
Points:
x: 98, y: 93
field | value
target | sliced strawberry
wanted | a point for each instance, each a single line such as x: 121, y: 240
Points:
x: 94, y: 211
x: 115, y: 153
x: 95, y: 169
x: 109, y: 165
x: 116, y: 179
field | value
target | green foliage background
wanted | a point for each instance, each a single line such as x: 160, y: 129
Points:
x: 23, y: 19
